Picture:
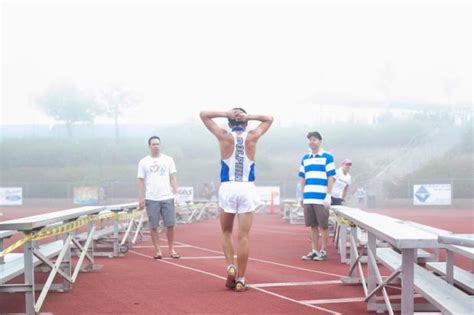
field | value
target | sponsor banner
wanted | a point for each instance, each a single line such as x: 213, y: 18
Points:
x: 11, y: 196
x: 185, y: 194
x: 432, y: 195
x: 86, y: 196
x: 266, y: 193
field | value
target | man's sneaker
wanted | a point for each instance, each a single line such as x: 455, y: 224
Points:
x: 322, y: 255
x: 231, y: 274
x: 310, y: 256
x: 240, y: 286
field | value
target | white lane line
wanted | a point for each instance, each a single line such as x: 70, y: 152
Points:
x: 178, y: 265
x: 151, y: 246
x: 331, y: 301
x: 351, y: 300
x: 270, y: 262
x: 295, y: 301
x: 302, y: 234
x: 294, y: 284
x: 297, y: 268
x: 196, y: 257
x: 223, y: 278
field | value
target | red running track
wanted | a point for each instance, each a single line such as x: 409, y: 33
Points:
x: 281, y: 283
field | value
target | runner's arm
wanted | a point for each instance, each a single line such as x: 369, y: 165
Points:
x: 260, y: 130
x: 207, y: 119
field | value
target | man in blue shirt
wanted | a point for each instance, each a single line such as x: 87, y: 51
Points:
x: 316, y: 179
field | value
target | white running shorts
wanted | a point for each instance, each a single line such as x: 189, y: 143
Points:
x: 238, y: 197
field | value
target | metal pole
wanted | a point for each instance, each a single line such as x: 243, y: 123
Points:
x: 29, y: 277
x: 408, y: 268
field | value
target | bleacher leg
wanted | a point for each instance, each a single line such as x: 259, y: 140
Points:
x: 66, y: 266
x: 29, y: 277
x: 371, y: 270
x: 116, y: 249
x: 139, y: 227
x: 408, y: 265
x: 450, y: 266
x: 90, y: 250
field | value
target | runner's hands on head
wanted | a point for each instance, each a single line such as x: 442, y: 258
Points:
x: 237, y: 115
x: 240, y: 116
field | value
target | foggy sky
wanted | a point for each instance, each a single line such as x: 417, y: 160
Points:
x: 273, y: 58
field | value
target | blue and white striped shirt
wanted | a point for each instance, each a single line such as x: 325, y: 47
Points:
x: 316, y: 169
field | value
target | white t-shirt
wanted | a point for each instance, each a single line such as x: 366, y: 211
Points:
x: 340, y: 182
x: 156, y: 173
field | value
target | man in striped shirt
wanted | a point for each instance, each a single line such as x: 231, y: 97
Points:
x: 316, y: 178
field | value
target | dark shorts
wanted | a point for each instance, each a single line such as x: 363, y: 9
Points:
x: 336, y: 201
x: 163, y: 209
x: 316, y: 215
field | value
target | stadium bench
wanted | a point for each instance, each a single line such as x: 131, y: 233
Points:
x: 438, y: 292
x: 33, y: 253
x: 403, y: 237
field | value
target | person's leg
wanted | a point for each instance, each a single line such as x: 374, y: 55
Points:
x: 322, y: 214
x: 315, y: 237
x: 228, y: 209
x: 152, y: 209
x: 245, y: 223
x: 324, y: 238
x: 168, y: 214
x: 227, y: 224
x: 311, y: 222
x: 311, y: 238
x: 155, y: 238
x: 170, y: 231
x: 323, y: 220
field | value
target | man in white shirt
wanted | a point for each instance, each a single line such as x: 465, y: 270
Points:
x: 157, y: 187
x: 342, y: 180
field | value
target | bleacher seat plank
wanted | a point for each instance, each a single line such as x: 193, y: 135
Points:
x: 462, y: 278
x: 14, y: 263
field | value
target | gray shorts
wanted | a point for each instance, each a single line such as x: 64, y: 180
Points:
x: 316, y: 215
x: 160, y: 209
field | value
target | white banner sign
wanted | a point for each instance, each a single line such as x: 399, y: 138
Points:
x: 432, y: 195
x: 267, y: 193
x: 185, y: 194
x: 11, y: 196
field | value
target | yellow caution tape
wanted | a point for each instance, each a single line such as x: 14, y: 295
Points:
x: 68, y: 227
x: 343, y: 221
x: 126, y: 216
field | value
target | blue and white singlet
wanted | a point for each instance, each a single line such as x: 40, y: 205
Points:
x: 238, y: 167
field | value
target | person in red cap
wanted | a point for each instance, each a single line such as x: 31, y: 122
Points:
x: 342, y: 180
